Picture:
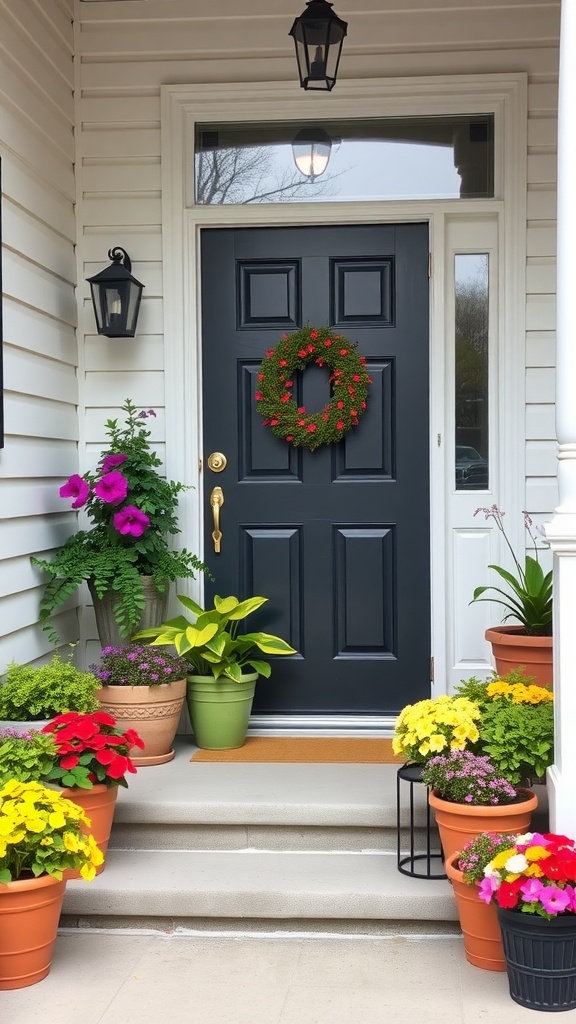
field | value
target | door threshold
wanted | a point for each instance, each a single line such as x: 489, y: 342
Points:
x: 322, y: 725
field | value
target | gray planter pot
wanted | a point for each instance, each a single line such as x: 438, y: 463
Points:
x: 154, y: 613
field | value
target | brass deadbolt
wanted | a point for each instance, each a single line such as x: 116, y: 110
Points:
x: 217, y: 461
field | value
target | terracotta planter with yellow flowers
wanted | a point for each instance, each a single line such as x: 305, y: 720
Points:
x: 40, y: 837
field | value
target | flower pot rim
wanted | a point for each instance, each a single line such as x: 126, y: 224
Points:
x: 247, y: 677
x: 530, y: 802
x: 35, y: 881
x: 509, y: 914
x: 141, y: 686
x: 516, y: 636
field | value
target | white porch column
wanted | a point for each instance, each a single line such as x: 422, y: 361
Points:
x: 561, y: 532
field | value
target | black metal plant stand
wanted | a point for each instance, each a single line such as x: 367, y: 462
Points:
x: 417, y: 862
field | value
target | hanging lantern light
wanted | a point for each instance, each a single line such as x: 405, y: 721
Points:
x: 116, y: 296
x: 311, y: 150
x: 318, y: 36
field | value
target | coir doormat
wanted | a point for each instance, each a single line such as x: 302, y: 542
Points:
x: 338, y: 749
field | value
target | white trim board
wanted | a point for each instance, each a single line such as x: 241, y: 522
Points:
x: 503, y: 94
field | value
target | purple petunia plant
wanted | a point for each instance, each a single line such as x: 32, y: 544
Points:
x: 132, y: 511
x: 138, y: 665
x: 462, y: 777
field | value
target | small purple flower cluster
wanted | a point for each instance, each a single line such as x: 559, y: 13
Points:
x: 466, y: 778
x: 133, y: 665
x: 479, y: 851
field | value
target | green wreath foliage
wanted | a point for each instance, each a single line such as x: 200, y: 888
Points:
x: 349, y: 381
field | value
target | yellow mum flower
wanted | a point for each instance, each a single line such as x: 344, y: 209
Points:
x: 56, y: 819
x: 534, y: 871
x: 500, y: 859
x: 536, y: 853
x: 47, y: 841
x: 424, y: 748
x: 88, y: 871
x: 437, y: 742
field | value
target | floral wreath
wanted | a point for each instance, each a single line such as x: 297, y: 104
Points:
x: 348, y: 377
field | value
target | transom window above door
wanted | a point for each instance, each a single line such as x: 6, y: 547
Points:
x: 450, y: 157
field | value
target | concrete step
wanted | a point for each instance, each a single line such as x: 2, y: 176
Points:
x: 199, y: 806
x: 167, y: 890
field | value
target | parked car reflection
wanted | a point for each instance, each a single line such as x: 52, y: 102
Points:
x: 471, y: 469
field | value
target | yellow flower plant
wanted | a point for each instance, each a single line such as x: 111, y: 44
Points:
x: 42, y: 833
x: 518, y: 693
x: 432, y: 726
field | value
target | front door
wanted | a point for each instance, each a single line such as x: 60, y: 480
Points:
x: 338, y: 539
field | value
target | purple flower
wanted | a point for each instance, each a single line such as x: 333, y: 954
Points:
x: 130, y: 521
x: 112, y: 488
x: 532, y: 890
x: 488, y: 885
x: 554, y: 900
x: 112, y: 462
x: 76, y: 487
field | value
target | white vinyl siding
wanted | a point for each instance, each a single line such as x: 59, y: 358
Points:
x: 39, y: 307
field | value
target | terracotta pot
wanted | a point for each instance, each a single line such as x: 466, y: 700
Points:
x: 153, y: 711
x: 153, y: 613
x: 478, y: 921
x: 29, y: 914
x: 512, y: 649
x: 458, y: 823
x: 99, y: 804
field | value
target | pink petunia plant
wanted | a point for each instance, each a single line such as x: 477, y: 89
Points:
x: 132, y: 511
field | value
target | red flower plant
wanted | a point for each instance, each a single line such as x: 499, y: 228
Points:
x: 90, y: 750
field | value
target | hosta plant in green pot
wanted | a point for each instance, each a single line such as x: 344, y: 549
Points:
x: 144, y: 689
x: 126, y: 556
x: 527, y: 600
x: 42, y: 835
x: 224, y: 664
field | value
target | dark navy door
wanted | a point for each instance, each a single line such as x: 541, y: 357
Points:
x: 338, y: 538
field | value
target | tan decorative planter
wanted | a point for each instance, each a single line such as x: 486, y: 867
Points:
x: 512, y: 649
x: 153, y: 613
x: 153, y: 711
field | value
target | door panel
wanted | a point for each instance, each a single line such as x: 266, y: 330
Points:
x: 338, y: 538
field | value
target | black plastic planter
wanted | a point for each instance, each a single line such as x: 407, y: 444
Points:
x: 540, y: 959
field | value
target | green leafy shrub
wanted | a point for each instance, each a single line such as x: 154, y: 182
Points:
x: 32, y: 692
x: 516, y: 724
x: 26, y: 757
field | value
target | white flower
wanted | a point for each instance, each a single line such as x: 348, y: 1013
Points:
x: 516, y: 864
x: 524, y: 840
x: 490, y: 872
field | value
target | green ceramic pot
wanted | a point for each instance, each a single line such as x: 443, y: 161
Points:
x: 219, y: 710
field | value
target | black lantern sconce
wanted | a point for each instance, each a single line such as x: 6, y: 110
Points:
x: 116, y: 296
x: 318, y: 37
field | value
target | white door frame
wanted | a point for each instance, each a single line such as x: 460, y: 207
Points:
x: 503, y: 94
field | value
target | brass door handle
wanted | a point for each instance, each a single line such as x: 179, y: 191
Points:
x: 216, y: 501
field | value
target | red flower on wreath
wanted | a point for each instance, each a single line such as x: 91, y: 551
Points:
x: 346, y: 371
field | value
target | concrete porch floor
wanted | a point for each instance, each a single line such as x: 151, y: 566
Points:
x: 119, y: 978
